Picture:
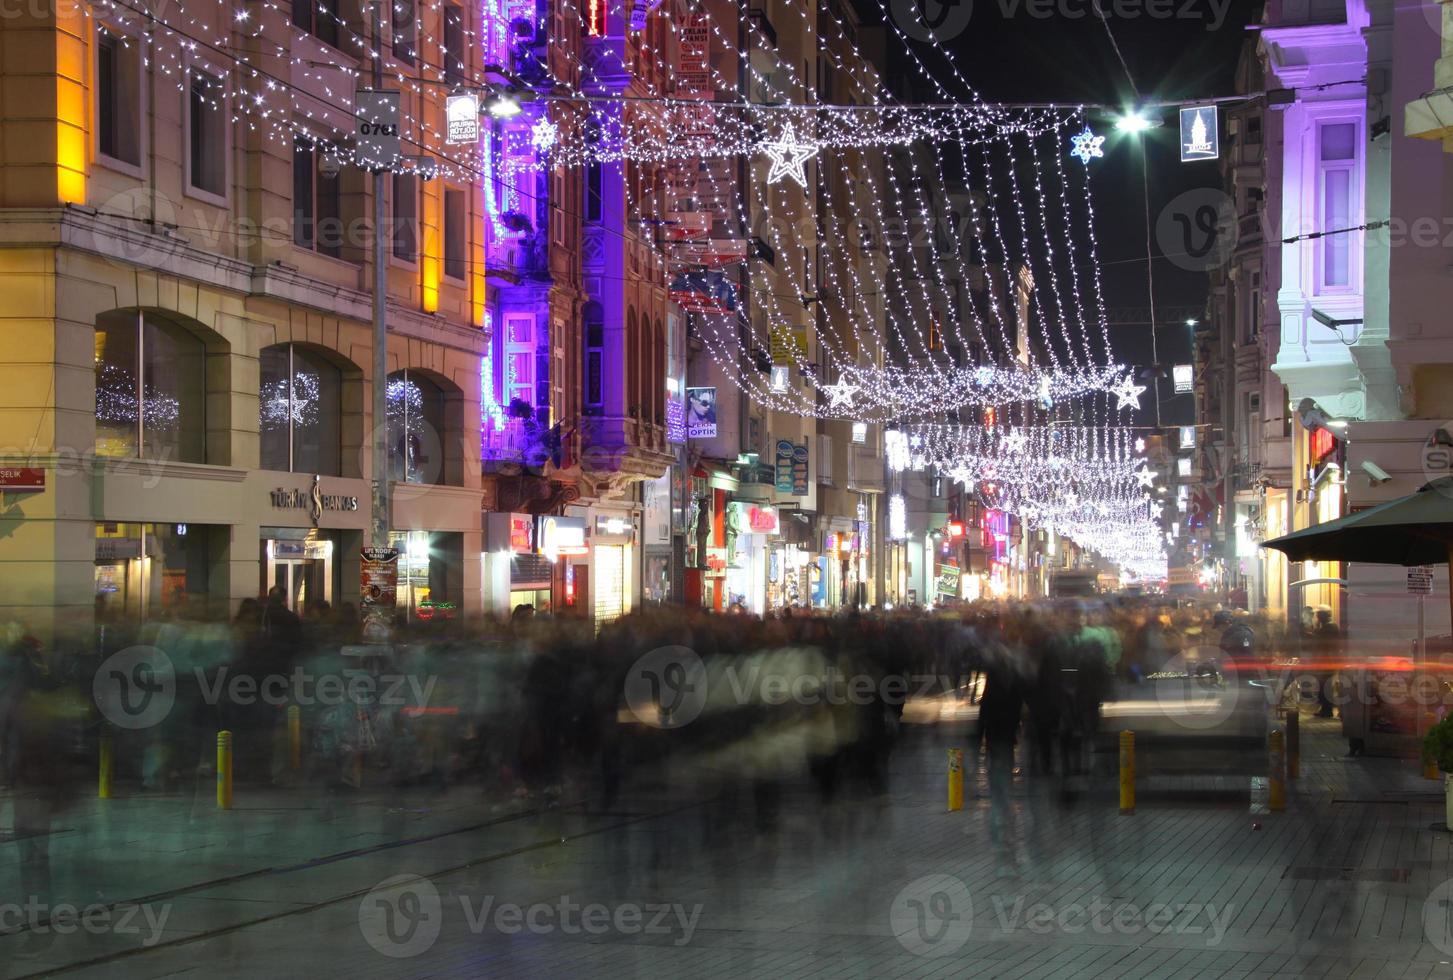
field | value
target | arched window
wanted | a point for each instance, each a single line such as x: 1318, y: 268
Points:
x: 593, y: 368
x: 632, y: 371
x: 415, y: 429
x: 151, y: 388
x: 299, y: 408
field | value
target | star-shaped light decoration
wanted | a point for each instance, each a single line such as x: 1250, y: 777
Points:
x: 1127, y: 393
x: 1015, y: 441
x: 543, y: 135
x: 841, y: 394
x: 1146, y: 477
x: 1087, y: 146
x: 789, y: 156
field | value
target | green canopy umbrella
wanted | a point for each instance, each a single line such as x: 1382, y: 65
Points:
x: 1412, y: 530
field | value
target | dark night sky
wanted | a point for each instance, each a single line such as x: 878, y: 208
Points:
x: 1011, y: 56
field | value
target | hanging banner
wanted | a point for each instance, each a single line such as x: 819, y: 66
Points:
x: 712, y: 253
x: 376, y: 128
x: 784, y: 465
x: 1200, y: 133
x: 687, y: 225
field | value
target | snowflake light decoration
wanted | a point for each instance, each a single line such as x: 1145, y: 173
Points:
x: 1086, y: 145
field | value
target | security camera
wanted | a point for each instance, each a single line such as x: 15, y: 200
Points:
x: 1376, y: 475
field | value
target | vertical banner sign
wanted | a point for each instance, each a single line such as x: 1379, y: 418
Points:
x: 462, y: 113
x: 785, y: 450
x: 379, y: 579
x: 377, y: 128
x: 799, y: 470
x: 1200, y: 133
x: 948, y: 581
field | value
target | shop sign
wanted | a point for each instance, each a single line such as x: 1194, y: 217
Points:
x: 557, y: 537
x: 757, y: 519
x: 614, y: 530
x: 313, y: 500
x: 948, y: 580
x: 799, y: 469
x: 117, y: 549
x: 312, y: 550
x: 22, y: 478
x: 784, y: 466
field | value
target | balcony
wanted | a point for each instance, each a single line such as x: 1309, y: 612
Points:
x: 618, y: 450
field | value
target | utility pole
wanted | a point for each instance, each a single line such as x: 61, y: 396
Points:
x: 379, y: 517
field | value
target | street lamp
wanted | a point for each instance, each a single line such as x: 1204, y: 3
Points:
x: 502, y: 103
x: 1135, y: 121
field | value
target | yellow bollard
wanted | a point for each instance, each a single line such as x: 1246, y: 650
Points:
x: 1276, y: 777
x: 1294, y: 743
x: 224, y: 770
x: 1127, y: 772
x: 955, y: 779
x: 103, y: 786
x: 295, y: 737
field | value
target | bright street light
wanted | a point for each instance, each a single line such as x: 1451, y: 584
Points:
x: 502, y: 104
x: 1135, y: 121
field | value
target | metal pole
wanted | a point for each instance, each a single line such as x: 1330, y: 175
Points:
x: 379, y: 516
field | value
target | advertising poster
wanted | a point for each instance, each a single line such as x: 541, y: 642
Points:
x: 701, y: 413
x: 379, y: 581
x: 948, y: 581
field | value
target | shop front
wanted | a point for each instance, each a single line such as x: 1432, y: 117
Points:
x: 513, y: 573
x: 613, y: 543
x: 757, y: 578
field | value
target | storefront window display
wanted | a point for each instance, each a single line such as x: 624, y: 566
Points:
x: 147, y: 571
x: 151, y: 388
x: 299, y: 411
x: 429, y: 564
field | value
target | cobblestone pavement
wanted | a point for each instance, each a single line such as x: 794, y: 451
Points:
x: 686, y: 875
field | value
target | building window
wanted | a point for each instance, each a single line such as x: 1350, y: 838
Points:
x: 453, y: 45
x: 299, y: 411
x: 1253, y: 309
x: 456, y: 223
x: 151, y: 389
x: 519, y: 358
x: 405, y: 31
x: 415, y: 429
x: 594, y: 182
x: 207, y: 133
x: 118, y: 98
x: 406, y: 216
x: 319, y: 18
x: 1337, y: 159
x: 594, y: 367
x: 317, y: 201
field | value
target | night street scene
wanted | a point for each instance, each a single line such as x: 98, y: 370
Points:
x: 726, y: 489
